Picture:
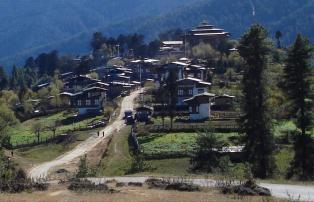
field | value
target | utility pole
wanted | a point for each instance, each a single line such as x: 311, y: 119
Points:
x: 185, y: 44
x: 118, y: 50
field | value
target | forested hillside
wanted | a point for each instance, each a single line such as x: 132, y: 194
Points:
x: 68, y: 25
x: 30, y: 27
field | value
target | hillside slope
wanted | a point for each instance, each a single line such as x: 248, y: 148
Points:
x: 68, y: 25
x: 28, y: 27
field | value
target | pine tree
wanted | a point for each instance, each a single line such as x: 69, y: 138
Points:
x: 83, y: 168
x: 206, y: 156
x: 4, y: 81
x: 297, y: 87
x: 172, y: 86
x: 256, y: 123
x: 278, y: 36
x: 14, y: 82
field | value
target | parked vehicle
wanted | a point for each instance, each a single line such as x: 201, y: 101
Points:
x: 130, y: 120
x: 128, y: 113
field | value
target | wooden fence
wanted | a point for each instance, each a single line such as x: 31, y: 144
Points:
x: 225, y: 115
x: 34, y: 142
x: 216, y: 125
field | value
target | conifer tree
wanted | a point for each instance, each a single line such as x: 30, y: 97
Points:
x: 172, y: 86
x: 297, y: 87
x: 14, y: 78
x: 4, y: 81
x: 256, y: 123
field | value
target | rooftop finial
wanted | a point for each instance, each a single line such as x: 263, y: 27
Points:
x: 205, y: 22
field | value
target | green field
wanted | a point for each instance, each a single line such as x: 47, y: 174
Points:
x: 23, y: 132
x: 174, y: 142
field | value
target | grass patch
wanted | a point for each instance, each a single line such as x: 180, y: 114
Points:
x: 43, y: 153
x: 283, y: 158
x: 118, y: 160
x: 175, y: 142
x: 48, y: 152
x: 23, y: 133
x: 175, y: 167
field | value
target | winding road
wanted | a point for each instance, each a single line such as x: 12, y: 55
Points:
x: 41, y: 171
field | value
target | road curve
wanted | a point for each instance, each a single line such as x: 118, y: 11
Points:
x: 287, y: 191
x: 41, y: 171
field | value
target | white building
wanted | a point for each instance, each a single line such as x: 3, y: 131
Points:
x: 199, y: 106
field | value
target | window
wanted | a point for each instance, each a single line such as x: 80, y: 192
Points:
x: 190, y: 92
x: 191, y: 109
x: 96, y: 102
x: 87, y: 102
x: 197, y: 109
x: 79, y: 103
x: 200, y: 91
x: 180, y: 92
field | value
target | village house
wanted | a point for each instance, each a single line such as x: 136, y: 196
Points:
x: 206, y: 33
x: 98, y: 84
x: 178, y: 67
x: 78, y: 83
x: 199, y: 106
x: 115, y: 89
x: 144, y: 69
x: 65, y: 76
x: 115, y: 74
x: 87, y: 101
x: 190, y: 87
x: 171, y: 48
x: 223, y: 103
x: 197, y: 71
x: 143, y: 113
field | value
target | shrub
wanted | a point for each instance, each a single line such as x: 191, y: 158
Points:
x: 86, y: 185
x: 178, y: 184
x: 135, y: 184
x: 139, y: 165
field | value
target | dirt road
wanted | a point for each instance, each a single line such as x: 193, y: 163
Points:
x: 286, y: 191
x: 41, y: 171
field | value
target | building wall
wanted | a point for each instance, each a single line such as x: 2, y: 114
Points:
x: 186, y: 95
x: 204, y: 112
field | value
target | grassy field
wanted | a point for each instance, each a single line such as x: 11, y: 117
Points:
x: 47, y: 152
x: 23, y: 132
x: 174, y: 142
x: 174, y: 167
x: 117, y: 161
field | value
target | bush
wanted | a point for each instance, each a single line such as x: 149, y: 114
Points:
x: 15, y: 186
x: 250, y: 188
x: 183, y: 187
x: 135, y: 184
x: 157, y: 183
x: 139, y: 165
x: 86, y: 185
x: 172, y: 184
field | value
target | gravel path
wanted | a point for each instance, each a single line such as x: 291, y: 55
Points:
x: 41, y: 171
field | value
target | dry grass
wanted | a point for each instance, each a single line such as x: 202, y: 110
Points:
x: 129, y: 194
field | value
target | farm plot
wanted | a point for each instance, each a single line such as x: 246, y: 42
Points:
x: 162, y: 145
x: 24, y: 133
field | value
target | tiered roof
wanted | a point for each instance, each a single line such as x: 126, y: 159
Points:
x: 205, y: 29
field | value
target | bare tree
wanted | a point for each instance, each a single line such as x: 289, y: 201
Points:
x: 37, y: 129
